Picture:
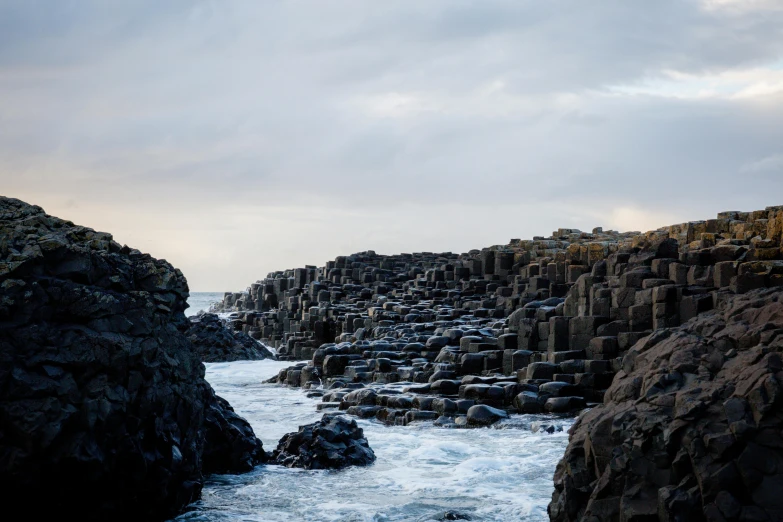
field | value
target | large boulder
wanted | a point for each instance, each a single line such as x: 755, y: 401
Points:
x: 214, y: 342
x: 333, y: 442
x: 690, y: 428
x: 104, y: 410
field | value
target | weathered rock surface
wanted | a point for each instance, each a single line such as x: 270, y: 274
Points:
x: 104, y: 410
x: 332, y: 443
x: 691, y: 427
x: 534, y: 326
x: 483, y: 415
x: 214, y: 342
x: 231, y: 447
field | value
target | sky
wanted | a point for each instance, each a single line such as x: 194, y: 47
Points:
x: 238, y: 138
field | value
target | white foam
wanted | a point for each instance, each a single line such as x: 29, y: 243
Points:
x: 421, y: 470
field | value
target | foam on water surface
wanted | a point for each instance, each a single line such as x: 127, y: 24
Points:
x: 502, y: 473
x: 201, y: 301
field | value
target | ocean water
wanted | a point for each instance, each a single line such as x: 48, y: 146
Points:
x: 421, y: 471
x: 201, y: 301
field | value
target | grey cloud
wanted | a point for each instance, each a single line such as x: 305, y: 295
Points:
x: 437, y: 106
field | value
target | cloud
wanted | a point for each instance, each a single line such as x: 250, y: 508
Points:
x: 273, y: 134
x: 769, y: 165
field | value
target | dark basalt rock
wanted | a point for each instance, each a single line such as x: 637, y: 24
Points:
x: 214, y: 342
x: 331, y: 443
x: 483, y: 415
x: 690, y: 428
x: 104, y: 410
x: 232, y: 446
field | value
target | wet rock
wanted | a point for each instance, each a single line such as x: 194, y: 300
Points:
x: 104, y: 410
x: 528, y: 402
x: 445, y: 387
x: 483, y: 415
x: 564, y: 404
x: 331, y: 443
x: 363, y: 397
x: 558, y: 389
x: 444, y: 422
x: 214, y: 342
x: 543, y: 427
x: 231, y: 444
x: 414, y: 416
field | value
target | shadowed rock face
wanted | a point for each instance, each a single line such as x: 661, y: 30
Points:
x: 214, y: 342
x: 691, y: 427
x: 104, y: 410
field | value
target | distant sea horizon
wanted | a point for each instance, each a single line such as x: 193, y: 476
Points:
x: 201, y: 301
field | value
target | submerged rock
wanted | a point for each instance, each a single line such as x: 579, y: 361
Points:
x: 214, y: 342
x: 691, y: 426
x: 331, y: 443
x: 104, y: 410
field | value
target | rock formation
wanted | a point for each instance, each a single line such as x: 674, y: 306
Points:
x: 533, y: 326
x: 691, y: 428
x: 334, y: 442
x: 214, y: 342
x: 104, y: 410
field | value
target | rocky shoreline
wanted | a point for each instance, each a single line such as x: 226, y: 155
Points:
x: 550, y: 324
x: 665, y: 344
x: 104, y: 410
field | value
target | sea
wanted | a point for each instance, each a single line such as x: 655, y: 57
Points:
x: 201, y: 301
x: 422, y: 472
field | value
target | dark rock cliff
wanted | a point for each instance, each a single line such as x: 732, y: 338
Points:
x: 104, y: 410
x: 690, y: 429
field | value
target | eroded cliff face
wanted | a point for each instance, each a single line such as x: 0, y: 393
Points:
x: 104, y: 410
x: 691, y: 426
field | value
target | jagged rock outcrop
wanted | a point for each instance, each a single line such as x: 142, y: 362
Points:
x: 214, y: 342
x: 334, y: 442
x: 691, y: 427
x: 104, y: 410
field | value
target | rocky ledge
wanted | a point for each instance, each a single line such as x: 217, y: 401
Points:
x: 692, y: 425
x: 214, y: 342
x: 334, y: 442
x: 104, y: 410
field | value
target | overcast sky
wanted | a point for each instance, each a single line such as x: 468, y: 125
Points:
x: 234, y: 138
